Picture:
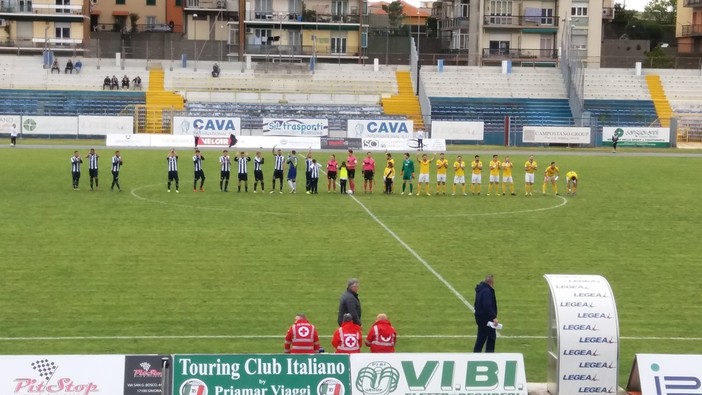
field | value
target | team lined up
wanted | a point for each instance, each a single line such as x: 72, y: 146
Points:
x: 345, y: 172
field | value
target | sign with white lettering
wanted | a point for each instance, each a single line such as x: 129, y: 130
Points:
x: 583, y: 335
x: 432, y: 145
x: 206, y: 126
x: 555, y: 134
x: 666, y: 374
x: 380, y: 128
x: 640, y: 137
x: 295, y: 127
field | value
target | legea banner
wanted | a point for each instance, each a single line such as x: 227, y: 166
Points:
x: 454, y: 130
x: 436, y: 373
x: 555, y: 135
x: 383, y: 128
x: 262, y: 374
x: 642, y: 137
x: 295, y: 127
x: 381, y: 144
x: 206, y: 126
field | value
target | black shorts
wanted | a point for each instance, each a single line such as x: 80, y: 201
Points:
x: 258, y: 175
x: 243, y: 176
x: 173, y: 176
x: 115, y: 175
x: 224, y: 175
x: 199, y: 174
x: 93, y: 173
x: 331, y: 175
x: 368, y: 175
x: 352, y: 174
x: 278, y: 174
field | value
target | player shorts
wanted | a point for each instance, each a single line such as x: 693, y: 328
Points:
x: 508, y: 179
x: 407, y: 176
x: 494, y: 178
x: 224, y: 175
x: 548, y: 179
x: 441, y: 178
x: 258, y: 175
x: 423, y: 178
x: 459, y: 179
x: 529, y: 178
x: 278, y: 174
x: 573, y: 181
x: 93, y: 173
x: 243, y: 176
x: 476, y: 178
x: 368, y: 175
x: 172, y: 176
x: 331, y: 175
x: 352, y: 173
x: 199, y: 174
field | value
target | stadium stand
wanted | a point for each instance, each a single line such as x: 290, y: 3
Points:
x: 54, y: 102
x: 684, y: 91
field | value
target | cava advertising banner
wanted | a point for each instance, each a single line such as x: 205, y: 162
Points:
x: 295, y: 127
x: 432, y: 145
x: 555, y: 135
x: 641, y: 137
x: 384, y: 128
x: 454, y: 130
x: 436, y: 373
x: 262, y: 374
x: 206, y: 126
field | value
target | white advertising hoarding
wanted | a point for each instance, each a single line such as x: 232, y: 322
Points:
x: 128, y: 140
x: 62, y: 374
x: 437, y: 373
x: 382, y: 144
x: 261, y: 142
x: 49, y: 125
x: 295, y: 127
x: 206, y: 126
x: 555, y: 134
x: 585, y: 331
x: 103, y: 125
x: 647, y: 137
x: 8, y: 123
x: 171, y: 141
x: 662, y: 374
x: 383, y: 128
x: 455, y: 130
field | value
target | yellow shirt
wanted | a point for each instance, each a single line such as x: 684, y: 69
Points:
x: 441, y: 166
x: 507, y: 169
x: 552, y: 171
x: 494, y: 167
x: 424, y: 166
x: 530, y: 167
x: 459, y: 167
x: 391, y: 161
x: 477, y: 167
x: 389, y: 172
x: 571, y: 174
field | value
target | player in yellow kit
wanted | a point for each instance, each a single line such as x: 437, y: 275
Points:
x: 494, y: 176
x: 459, y: 175
x: 441, y: 169
x: 477, y: 177
x: 424, y: 164
x: 507, y: 166
x: 551, y: 175
x: 572, y: 182
x: 529, y: 168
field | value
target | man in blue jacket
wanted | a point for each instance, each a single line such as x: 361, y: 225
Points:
x: 485, y: 312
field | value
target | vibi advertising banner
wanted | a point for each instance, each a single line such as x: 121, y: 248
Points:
x: 206, y: 126
x: 8, y: 123
x: 295, y: 127
x: 262, y: 374
x: 666, y: 374
x: 454, y: 130
x: 555, y: 135
x: 381, y: 144
x: 640, y: 137
x: 587, y: 331
x: 436, y: 373
x: 62, y: 374
x: 385, y: 128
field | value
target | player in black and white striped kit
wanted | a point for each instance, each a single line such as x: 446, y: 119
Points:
x: 116, y: 164
x: 93, y: 167
x: 243, y: 160
x: 258, y: 170
x: 314, y: 176
x: 199, y: 173
x: 172, y: 160
x: 75, y: 169
x: 225, y: 170
x: 278, y: 168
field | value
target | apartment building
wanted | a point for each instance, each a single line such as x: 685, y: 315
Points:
x: 39, y: 24
x: 688, y: 26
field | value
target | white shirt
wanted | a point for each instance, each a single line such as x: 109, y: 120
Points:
x: 420, y: 134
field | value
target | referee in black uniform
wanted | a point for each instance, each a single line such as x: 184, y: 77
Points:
x: 258, y: 170
x: 278, y: 168
x: 172, y: 159
x: 199, y: 173
x: 75, y: 169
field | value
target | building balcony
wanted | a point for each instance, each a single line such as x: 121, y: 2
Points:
x: 520, y: 22
x: 692, y: 3
x: 42, y: 9
x: 608, y: 13
x: 207, y: 4
x: 304, y: 51
x: 520, y: 54
x: 691, y: 30
x: 455, y: 23
x: 297, y: 16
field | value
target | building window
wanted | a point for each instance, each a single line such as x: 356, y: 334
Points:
x: 150, y: 22
x: 547, y: 16
x: 500, y: 12
x: 499, y: 47
x: 150, y: 2
x: 120, y: 2
x: 60, y: 4
x: 63, y: 31
x: 463, y: 10
x: 578, y: 11
x: 264, y: 9
x: 339, y: 7
x: 178, y: 3
x: 338, y: 45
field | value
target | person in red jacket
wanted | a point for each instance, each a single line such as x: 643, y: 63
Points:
x: 302, y: 337
x: 381, y: 336
x: 347, y: 339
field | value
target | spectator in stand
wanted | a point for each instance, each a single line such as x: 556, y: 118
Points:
x: 125, y: 82
x: 78, y: 66
x: 106, y: 82
x: 55, y: 66
x: 69, y: 67
x: 137, y: 82
x: 382, y: 337
x: 215, y: 70
x: 114, y: 82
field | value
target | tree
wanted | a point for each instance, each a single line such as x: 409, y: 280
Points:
x: 658, y: 59
x: 432, y: 26
x: 133, y: 18
x: 660, y: 11
x: 395, y: 15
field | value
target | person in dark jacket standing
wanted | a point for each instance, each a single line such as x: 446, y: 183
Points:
x: 485, y: 312
x: 349, y: 303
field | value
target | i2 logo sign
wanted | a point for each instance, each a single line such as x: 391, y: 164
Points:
x: 676, y: 385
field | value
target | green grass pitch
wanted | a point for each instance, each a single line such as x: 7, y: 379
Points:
x: 147, y: 263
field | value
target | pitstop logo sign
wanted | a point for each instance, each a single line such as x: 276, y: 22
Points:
x: 46, y: 370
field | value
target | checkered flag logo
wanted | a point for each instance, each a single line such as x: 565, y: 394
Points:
x: 45, y: 368
x: 145, y: 365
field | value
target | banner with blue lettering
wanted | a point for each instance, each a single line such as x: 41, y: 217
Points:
x: 380, y: 128
x: 206, y: 126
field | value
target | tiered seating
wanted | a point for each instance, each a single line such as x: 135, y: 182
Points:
x: 622, y: 112
x: 43, y: 102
